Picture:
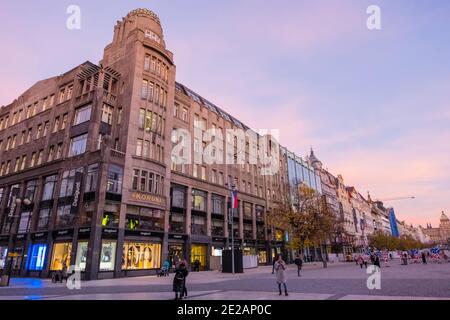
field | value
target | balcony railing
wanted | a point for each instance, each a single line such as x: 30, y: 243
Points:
x: 109, y: 98
x: 117, y: 154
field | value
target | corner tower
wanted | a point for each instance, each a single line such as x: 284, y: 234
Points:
x: 146, y: 97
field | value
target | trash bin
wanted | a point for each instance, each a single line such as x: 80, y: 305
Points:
x: 4, y: 281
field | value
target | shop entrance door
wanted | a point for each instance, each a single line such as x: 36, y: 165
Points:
x: 198, y: 257
x: 176, y: 254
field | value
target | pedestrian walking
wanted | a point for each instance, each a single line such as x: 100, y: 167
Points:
x: 376, y: 261
x: 273, y: 264
x: 299, y: 263
x: 179, y: 281
x: 280, y: 269
x: 197, y: 265
x: 424, y: 258
x: 360, y: 261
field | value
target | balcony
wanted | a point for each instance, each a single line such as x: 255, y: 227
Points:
x: 109, y: 98
x: 85, y: 97
x: 117, y: 154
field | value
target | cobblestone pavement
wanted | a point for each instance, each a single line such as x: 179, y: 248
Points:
x: 344, y: 281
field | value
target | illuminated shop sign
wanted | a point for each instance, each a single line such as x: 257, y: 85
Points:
x: 151, y: 198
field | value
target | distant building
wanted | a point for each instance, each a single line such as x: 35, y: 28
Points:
x: 439, y: 235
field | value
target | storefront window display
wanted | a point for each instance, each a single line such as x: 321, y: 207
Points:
x: 198, y: 252
x: 3, y: 255
x: 61, y: 255
x: 249, y: 251
x: 176, y: 253
x: 198, y: 200
x: 262, y: 256
x: 108, y: 255
x: 111, y: 215
x: 141, y: 256
x: 36, y: 257
x: 81, y: 259
x: 140, y: 218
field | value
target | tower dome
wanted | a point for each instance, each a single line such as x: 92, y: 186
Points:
x: 146, y: 12
x: 316, y: 163
x: 444, y: 217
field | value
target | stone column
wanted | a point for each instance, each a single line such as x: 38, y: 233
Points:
x: 254, y: 220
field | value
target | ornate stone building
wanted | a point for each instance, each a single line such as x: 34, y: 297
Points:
x: 440, y: 235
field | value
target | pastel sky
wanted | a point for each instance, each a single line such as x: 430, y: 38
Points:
x: 374, y: 105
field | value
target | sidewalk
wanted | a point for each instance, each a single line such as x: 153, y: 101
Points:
x: 195, y: 277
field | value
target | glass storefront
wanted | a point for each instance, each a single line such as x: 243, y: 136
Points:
x: 81, y: 259
x: 249, y: 251
x: 262, y: 256
x: 141, y: 256
x: 176, y: 253
x: 61, y: 254
x: 3, y: 256
x: 198, y: 252
x: 108, y: 255
x: 36, y: 257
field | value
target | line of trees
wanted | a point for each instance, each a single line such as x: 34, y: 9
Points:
x: 382, y: 240
x: 309, y: 221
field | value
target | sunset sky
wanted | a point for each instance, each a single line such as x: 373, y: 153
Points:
x: 374, y: 105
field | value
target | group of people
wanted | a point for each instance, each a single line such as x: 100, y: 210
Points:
x: 363, y: 260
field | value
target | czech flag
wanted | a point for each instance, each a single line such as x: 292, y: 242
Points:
x: 234, y: 199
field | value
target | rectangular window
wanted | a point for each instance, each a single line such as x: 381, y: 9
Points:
x: 38, y: 132
x: 46, y: 127
x: 91, y: 178
x: 108, y: 255
x: 82, y: 114
x: 43, y: 219
x: 30, y: 133
x: 141, y: 122
x: 25, y: 222
x: 115, y: 178
x: 23, y: 162
x: 64, y: 122
x: 107, y: 113
x: 144, y: 89
x: 60, y: 256
x: 36, y: 258
x: 82, y: 252
x: 139, y: 143
x: 49, y: 187
x: 61, y: 95
x: 51, y: 154
x: 141, y: 256
x: 59, y: 151
x: 56, y: 125
x: 78, y: 145
x: 147, y: 63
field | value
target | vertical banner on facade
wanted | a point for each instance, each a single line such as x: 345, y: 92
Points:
x: 76, y: 193
x: 12, y: 201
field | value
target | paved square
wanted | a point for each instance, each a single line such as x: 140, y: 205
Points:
x: 340, y: 281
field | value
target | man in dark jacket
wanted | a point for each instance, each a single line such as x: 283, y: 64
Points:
x: 299, y: 263
x: 179, y: 281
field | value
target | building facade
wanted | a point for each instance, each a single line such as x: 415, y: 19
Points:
x: 88, y: 177
x: 441, y: 234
